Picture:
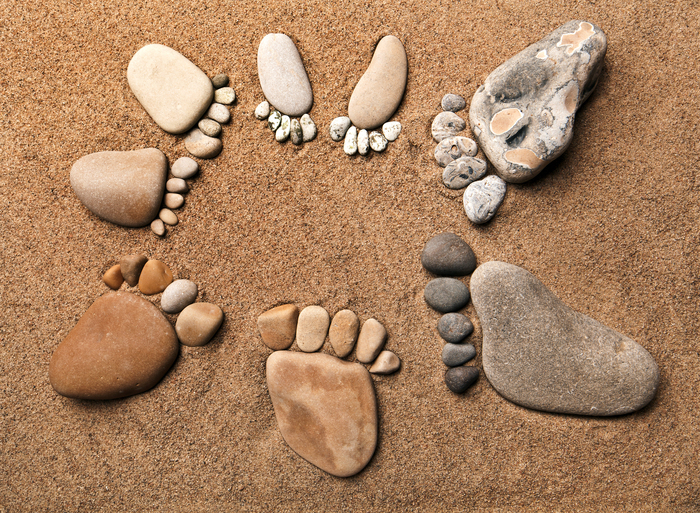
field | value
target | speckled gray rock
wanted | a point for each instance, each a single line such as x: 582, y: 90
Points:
x: 446, y: 294
x: 454, y: 327
x: 220, y: 80
x: 209, y: 127
x: 377, y: 142
x: 459, y: 379
x: 482, y: 199
x: 282, y: 75
x: 178, y: 295
x: 453, y: 103
x: 523, y: 115
x: 541, y: 354
x: 457, y: 354
x: 447, y: 254
x: 350, y: 144
x: 459, y: 173
x: 225, y: 96
x: 262, y: 111
x: 219, y: 113
x: 446, y: 124
x: 174, y: 91
x: 454, y: 148
x: 177, y: 185
x: 339, y: 127
x: 202, y: 146
x: 282, y: 132
x: 363, y: 142
x: 184, y: 168
x: 308, y: 128
x: 274, y: 120
x: 391, y: 130
x: 295, y: 133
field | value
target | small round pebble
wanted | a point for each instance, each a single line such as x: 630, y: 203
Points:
x: 178, y: 295
x: 459, y: 173
x: 113, y: 277
x: 453, y: 103
x: 184, y: 168
x: 391, y: 130
x: 202, y: 146
x: 158, y: 227
x: 225, y: 95
x: 209, y: 127
x: 220, y: 80
x: 168, y: 216
x: 386, y: 363
x: 339, y: 127
x: 274, y: 120
x: 377, y: 141
x: 363, y: 142
x: 308, y: 128
x: 350, y: 144
x: 262, y: 111
x: 198, y: 323
x: 155, y: 277
x: 219, y: 113
x: 457, y: 354
x: 446, y: 294
x: 295, y: 133
x: 312, y: 328
x: 454, y: 327
x: 447, y: 124
x: 459, y: 379
x: 173, y: 200
x: 453, y: 148
x: 177, y: 185
x: 282, y: 133
x: 447, y: 254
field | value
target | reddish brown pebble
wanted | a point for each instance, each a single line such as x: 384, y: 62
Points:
x: 155, y: 277
x: 278, y: 326
x: 113, y: 277
x: 198, y: 323
x: 131, y: 266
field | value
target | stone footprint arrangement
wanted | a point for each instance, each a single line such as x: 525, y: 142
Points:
x: 123, y: 345
x: 326, y: 407
x: 286, y: 86
x: 374, y: 100
x: 447, y: 255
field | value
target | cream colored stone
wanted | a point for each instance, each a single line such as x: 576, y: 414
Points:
x: 312, y: 328
x: 168, y: 216
x: 386, y: 363
x: 278, y: 326
x: 198, y: 323
x: 371, y: 341
x: 173, y: 200
x: 343, y: 332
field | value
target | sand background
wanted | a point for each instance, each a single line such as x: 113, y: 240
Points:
x: 612, y: 228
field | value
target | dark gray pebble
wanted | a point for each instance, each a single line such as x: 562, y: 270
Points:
x: 446, y: 294
x: 457, y: 354
x: 453, y: 102
x: 454, y: 327
x: 448, y: 255
x: 458, y: 379
x: 219, y: 81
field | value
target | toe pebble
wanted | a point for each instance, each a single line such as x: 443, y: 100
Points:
x: 446, y: 294
x: 184, y: 168
x: 219, y: 113
x: 155, y: 277
x: 278, y: 326
x: 447, y: 254
x: 343, y: 332
x: 198, y: 323
x: 459, y: 379
x: 225, y: 95
x: 178, y: 295
x: 220, y: 80
x: 447, y: 124
x: 457, y: 354
x: 312, y: 328
x: 158, y: 227
x: 173, y: 200
x: 262, y: 111
x: 177, y: 185
x: 454, y: 327
x: 308, y: 128
x: 350, y: 144
x: 168, y: 216
x: 371, y: 341
x: 113, y: 277
x: 339, y: 127
x: 386, y: 363
x: 131, y: 267
x: 453, y: 103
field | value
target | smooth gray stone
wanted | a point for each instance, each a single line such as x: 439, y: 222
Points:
x: 447, y: 254
x: 219, y: 81
x: 446, y: 294
x: 454, y: 327
x: 339, y: 127
x: 541, y: 354
x: 457, y: 354
x: 184, y: 168
x: 202, y: 146
x: 178, y: 295
x: 447, y: 124
x: 282, y: 75
x: 459, y: 379
x: 454, y: 148
x: 482, y: 199
x: 453, y: 103
x: 523, y: 115
x: 459, y: 173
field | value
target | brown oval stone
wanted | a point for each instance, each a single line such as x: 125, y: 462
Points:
x: 386, y: 363
x: 278, y: 326
x: 121, y: 346
x: 113, y: 277
x: 131, y: 267
x: 343, y: 332
x: 198, y: 323
x: 371, y: 341
x: 155, y: 277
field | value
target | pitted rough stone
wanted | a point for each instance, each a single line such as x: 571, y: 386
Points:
x: 339, y: 127
x: 461, y: 172
x: 377, y: 142
x: 454, y: 148
x: 295, y: 133
x: 447, y: 124
x: 391, y: 130
x: 274, y: 121
x: 363, y: 142
x: 350, y: 144
x: 482, y: 199
x: 282, y: 132
x: 453, y: 103
x: 308, y: 128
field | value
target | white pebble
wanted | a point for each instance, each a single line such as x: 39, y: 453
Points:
x: 225, y: 95
x: 350, y: 144
x: 377, y: 141
x: 262, y: 111
x: 168, y: 217
x: 308, y: 128
x: 273, y: 122
x: 282, y: 133
x: 391, y: 130
x: 339, y: 127
x: 295, y: 132
x: 173, y: 200
x: 219, y: 112
x: 177, y: 185
x: 158, y: 227
x: 363, y: 142
x: 184, y: 167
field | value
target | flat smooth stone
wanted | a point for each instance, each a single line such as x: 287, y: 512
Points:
x: 457, y: 354
x: 122, y: 187
x: 523, y: 115
x: 173, y: 90
x: 446, y: 294
x: 386, y: 363
x: 225, y: 96
x: 343, y: 332
x: 453, y: 103
x: 184, y: 168
x: 131, y: 267
x: 339, y: 127
x: 391, y: 130
x: 113, y: 277
x: 350, y: 144
x: 371, y: 341
x: 447, y: 124
x: 308, y: 128
x: 155, y: 277
x: 209, y: 127
x: 459, y: 379
x: 158, y: 227
x: 447, y: 254
x: 202, y: 146
x: 121, y: 346
x: 326, y: 409
x: 173, y: 200
x: 262, y: 111
x: 219, y: 113
x: 483, y: 197
x: 177, y: 185
x: 178, y: 295
x: 541, y: 354
x: 312, y: 328
x: 220, y: 80
x: 278, y: 326
x: 459, y: 173
x: 282, y: 75
x: 168, y: 216
x: 453, y: 148
x: 454, y: 327
x: 379, y: 92
x: 198, y: 323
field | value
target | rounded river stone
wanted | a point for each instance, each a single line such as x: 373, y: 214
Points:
x: 178, y: 295
x: 278, y: 326
x: 459, y: 379
x: 447, y: 254
x: 454, y: 327
x: 457, y: 354
x: 371, y: 341
x: 343, y: 332
x: 184, y: 168
x: 131, y: 267
x: 113, y: 277
x: 386, y: 363
x: 202, y: 146
x: 198, y: 323
x: 446, y: 294
x: 312, y: 328
x: 155, y: 277
x: 339, y: 127
x: 453, y: 103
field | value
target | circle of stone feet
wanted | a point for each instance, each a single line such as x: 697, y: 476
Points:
x: 123, y: 345
x: 447, y: 255
x: 325, y: 407
x: 457, y: 154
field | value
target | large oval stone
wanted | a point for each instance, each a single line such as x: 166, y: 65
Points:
x: 523, y: 115
x: 121, y: 346
x: 282, y: 75
x: 325, y: 408
x: 172, y: 89
x: 123, y: 187
x: 541, y: 354
x: 379, y: 92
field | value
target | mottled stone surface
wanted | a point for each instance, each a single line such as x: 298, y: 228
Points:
x: 379, y: 92
x: 363, y: 142
x: 326, y: 409
x: 339, y: 127
x: 350, y: 143
x: 198, y: 323
x: 523, y: 115
x: 447, y: 254
x: 219, y: 113
x: 295, y: 133
x: 453, y: 148
x: 173, y: 90
x: 459, y: 379
x: 459, y: 173
x: 308, y: 128
x: 278, y: 326
x: 155, y: 277
x: 121, y: 346
x: 482, y: 199
x: 343, y: 332
x: 541, y: 354
x: 371, y: 341
x: 446, y: 124
x: 377, y: 141
x: 454, y: 327
x: 453, y: 103
x: 282, y: 132
x: 123, y: 187
x: 262, y: 111
x: 446, y: 294
x: 391, y: 130
x: 312, y: 328
x: 225, y: 96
